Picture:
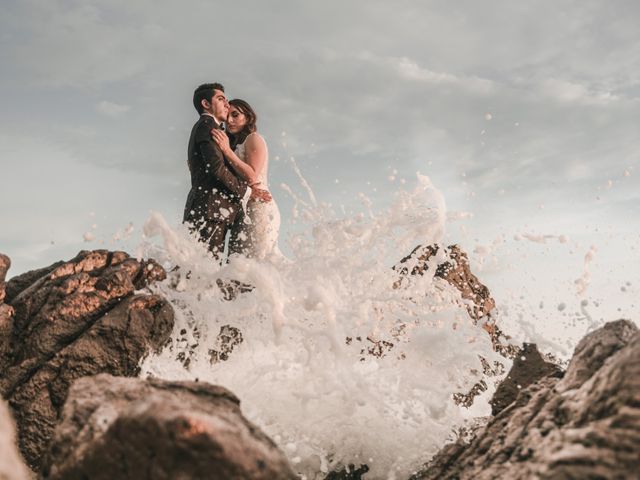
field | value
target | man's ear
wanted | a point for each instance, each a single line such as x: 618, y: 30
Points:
x: 205, y: 104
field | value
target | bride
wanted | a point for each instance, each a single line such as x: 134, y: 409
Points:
x: 250, y: 160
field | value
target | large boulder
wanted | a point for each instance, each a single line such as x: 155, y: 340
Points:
x: 584, y: 425
x: 11, y: 465
x: 131, y: 429
x: 73, y: 319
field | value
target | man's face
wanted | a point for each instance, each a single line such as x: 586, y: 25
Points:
x: 218, y: 107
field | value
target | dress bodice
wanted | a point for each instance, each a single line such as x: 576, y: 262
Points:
x: 242, y: 155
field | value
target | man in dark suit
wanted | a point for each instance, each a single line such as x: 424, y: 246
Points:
x: 215, y: 200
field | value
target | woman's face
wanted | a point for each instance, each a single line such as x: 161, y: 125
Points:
x: 236, y: 120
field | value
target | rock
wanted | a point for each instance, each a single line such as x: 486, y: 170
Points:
x: 11, y: 465
x: 454, y: 268
x: 5, y: 264
x: 350, y: 473
x: 585, y: 425
x: 452, y: 265
x: 528, y: 367
x: 20, y: 282
x: 594, y: 349
x: 131, y: 429
x: 78, y: 318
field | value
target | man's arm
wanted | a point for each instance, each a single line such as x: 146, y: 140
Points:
x: 212, y: 156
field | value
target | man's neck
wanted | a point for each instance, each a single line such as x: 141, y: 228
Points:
x: 211, y: 115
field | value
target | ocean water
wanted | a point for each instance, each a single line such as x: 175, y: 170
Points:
x: 335, y: 364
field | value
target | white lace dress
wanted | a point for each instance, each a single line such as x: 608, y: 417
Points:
x: 263, y: 219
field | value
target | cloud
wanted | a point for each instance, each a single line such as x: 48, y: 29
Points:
x: 111, y: 109
x: 571, y: 92
x: 381, y: 87
x: 409, y: 69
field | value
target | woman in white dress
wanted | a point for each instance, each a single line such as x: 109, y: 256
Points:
x: 250, y: 160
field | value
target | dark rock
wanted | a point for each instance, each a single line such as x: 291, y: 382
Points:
x: 228, y: 339
x: 80, y: 318
x: 585, y: 425
x: 11, y: 465
x: 350, y: 473
x: 528, y: 367
x: 132, y: 429
x: 18, y: 283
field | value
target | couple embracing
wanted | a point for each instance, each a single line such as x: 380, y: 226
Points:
x: 229, y: 190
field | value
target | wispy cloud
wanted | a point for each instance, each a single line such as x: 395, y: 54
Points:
x: 572, y: 92
x: 111, y: 109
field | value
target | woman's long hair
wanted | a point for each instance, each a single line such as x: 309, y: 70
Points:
x: 252, y: 118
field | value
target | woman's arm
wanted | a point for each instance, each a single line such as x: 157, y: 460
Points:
x: 256, y: 155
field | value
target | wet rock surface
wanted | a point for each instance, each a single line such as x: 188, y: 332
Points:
x: 584, y: 425
x: 142, y: 429
x: 70, y: 320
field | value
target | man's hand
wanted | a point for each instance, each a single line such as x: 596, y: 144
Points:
x: 222, y: 140
x: 260, y: 195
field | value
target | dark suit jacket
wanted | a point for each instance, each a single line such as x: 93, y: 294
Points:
x: 216, y: 191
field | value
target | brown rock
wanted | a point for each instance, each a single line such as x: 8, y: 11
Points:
x: 5, y: 264
x: 80, y: 318
x: 20, y: 282
x: 132, y: 429
x: 528, y: 367
x: 586, y: 425
x: 11, y: 465
x: 455, y: 270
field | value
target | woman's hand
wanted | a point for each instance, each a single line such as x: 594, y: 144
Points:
x: 221, y: 139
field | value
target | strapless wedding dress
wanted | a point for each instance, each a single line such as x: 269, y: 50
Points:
x: 263, y: 225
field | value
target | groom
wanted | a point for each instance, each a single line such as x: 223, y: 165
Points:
x: 215, y: 201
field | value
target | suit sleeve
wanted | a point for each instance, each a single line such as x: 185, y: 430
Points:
x: 212, y: 155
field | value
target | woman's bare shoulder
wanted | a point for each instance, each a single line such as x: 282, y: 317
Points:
x: 254, y: 139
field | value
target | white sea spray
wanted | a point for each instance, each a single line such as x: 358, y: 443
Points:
x: 305, y: 372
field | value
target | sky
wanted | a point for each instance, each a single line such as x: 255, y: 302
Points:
x: 523, y: 114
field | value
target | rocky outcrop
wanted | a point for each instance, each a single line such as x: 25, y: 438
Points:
x: 584, y: 425
x: 454, y: 268
x: 11, y: 465
x: 71, y: 320
x: 528, y: 367
x: 452, y: 264
x: 135, y: 429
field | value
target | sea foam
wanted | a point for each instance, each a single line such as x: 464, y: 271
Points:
x: 335, y: 364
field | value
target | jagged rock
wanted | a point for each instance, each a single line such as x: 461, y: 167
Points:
x: 585, y: 425
x: 78, y: 318
x: 452, y: 265
x: 528, y: 367
x: 132, y: 429
x: 11, y: 465
x: 454, y: 269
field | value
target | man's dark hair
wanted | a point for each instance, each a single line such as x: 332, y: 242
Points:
x: 205, y: 92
